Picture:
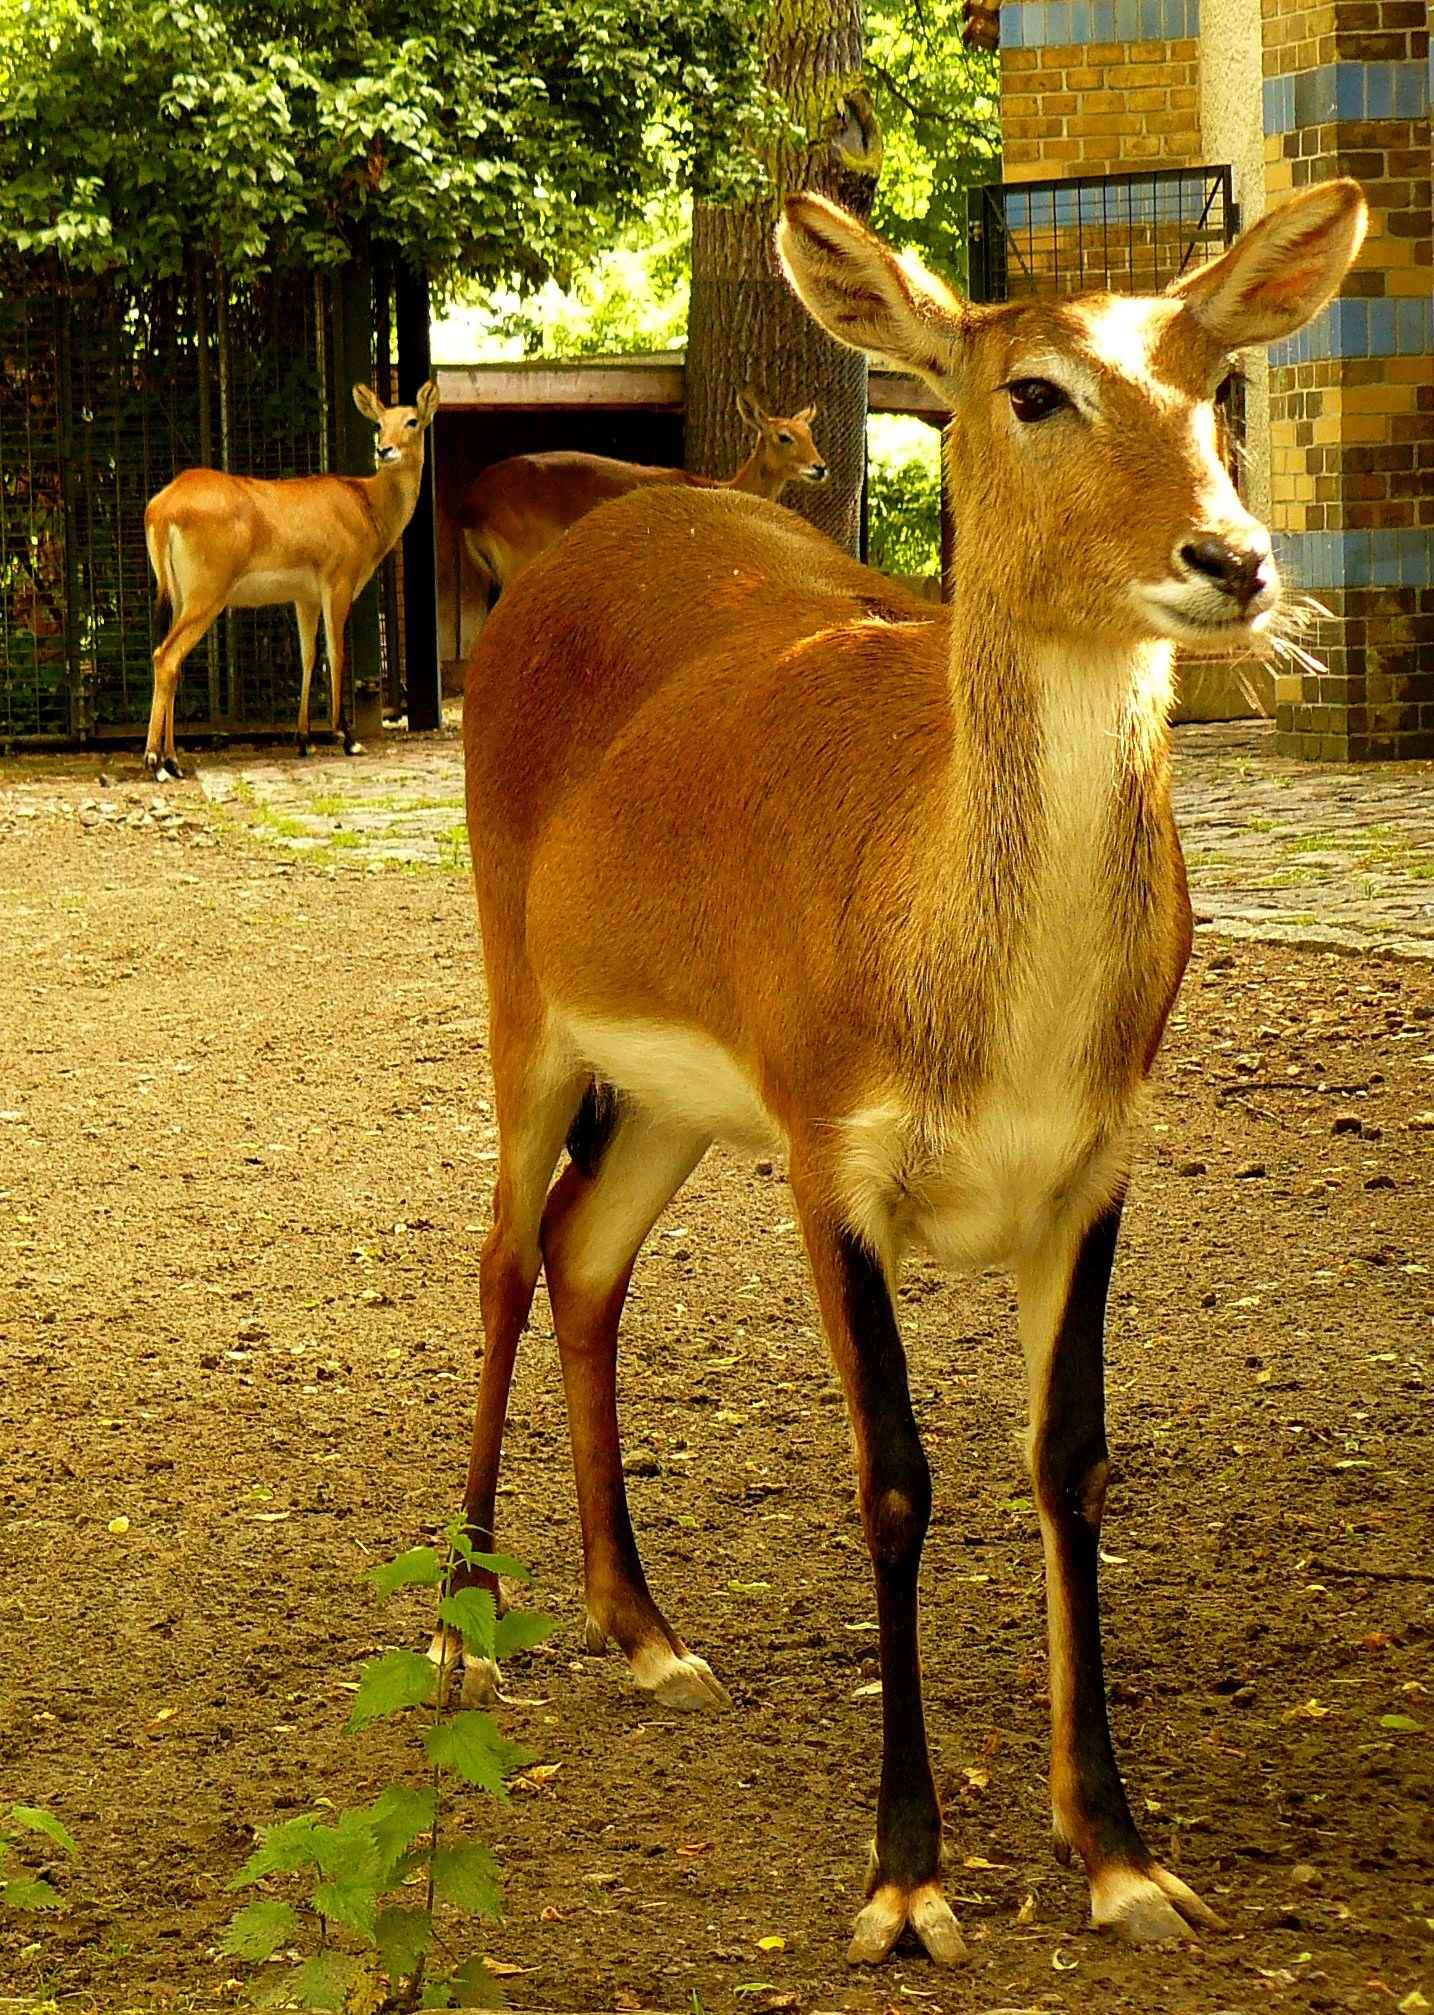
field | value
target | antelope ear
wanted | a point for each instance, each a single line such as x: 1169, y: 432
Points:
x: 1279, y: 275
x: 807, y: 414
x: 749, y: 406
x: 368, y: 403
x: 427, y: 402
x: 863, y: 295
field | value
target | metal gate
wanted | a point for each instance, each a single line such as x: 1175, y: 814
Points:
x: 1122, y: 234
x: 105, y: 395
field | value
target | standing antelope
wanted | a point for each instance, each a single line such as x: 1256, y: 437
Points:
x: 515, y: 509
x: 239, y: 542
x: 761, y: 854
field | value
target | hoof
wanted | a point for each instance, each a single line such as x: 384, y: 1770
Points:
x: 480, y: 1677
x: 171, y: 763
x: 891, y: 1910
x: 352, y: 747
x: 680, y: 1681
x: 1144, y: 1906
x: 305, y: 747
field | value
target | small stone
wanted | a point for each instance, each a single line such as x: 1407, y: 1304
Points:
x: 764, y: 1168
x: 1381, y: 1182
x: 1245, y: 1696
x: 1304, y: 1875
x: 642, y: 1462
x: 1191, y: 1168
x: 1207, y: 1301
x: 1222, y: 964
x: 1347, y: 1122
x: 1250, y: 1170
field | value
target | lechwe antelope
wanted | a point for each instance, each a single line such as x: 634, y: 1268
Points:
x: 514, y: 510
x: 240, y: 542
x: 761, y: 854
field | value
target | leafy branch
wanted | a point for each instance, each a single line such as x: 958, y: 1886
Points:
x: 363, y: 1866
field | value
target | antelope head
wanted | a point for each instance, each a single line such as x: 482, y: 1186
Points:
x: 1089, y: 492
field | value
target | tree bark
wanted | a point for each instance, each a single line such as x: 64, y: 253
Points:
x: 745, y: 325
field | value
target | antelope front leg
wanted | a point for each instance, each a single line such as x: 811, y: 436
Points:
x: 904, y: 1885
x: 1062, y: 1297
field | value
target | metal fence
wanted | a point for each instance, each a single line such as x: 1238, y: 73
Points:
x: 105, y: 395
x: 1124, y: 234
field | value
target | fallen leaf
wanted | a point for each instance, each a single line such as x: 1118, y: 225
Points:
x: 501, y: 1969
x: 866, y: 1692
x: 1027, y: 1912
x: 1402, y: 1724
x: 975, y: 1861
x: 119, y: 1526
x: 772, y: 1944
x: 1061, y: 1963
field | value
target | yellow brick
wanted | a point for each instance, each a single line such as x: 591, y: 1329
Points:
x: 1407, y: 281
x: 1387, y: 398
x: 1289, y: 689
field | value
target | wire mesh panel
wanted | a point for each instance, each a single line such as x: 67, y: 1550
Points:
x: 105, y: 396
x: 1123, y: 234
x: 35, y: 680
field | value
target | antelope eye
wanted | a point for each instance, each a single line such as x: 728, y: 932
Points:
x: 785, y: 439
x: 1035, y: 399
x: 410, y: 423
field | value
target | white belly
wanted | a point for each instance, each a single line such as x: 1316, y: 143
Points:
x: 262, y: 590
x: 676, y: 1074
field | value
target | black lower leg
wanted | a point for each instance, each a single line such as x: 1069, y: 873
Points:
x: 896, y: 1506
x: 1071, y: 1468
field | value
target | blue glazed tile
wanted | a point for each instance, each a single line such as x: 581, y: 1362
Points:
x: 1380, y: 95
x: 1356, y: 559
x: 1058, y: 23
x: 1011, y: 25
x: 1381, y: 328
x: 1104, y: 21
x: 1127, y: 20
x: 1354, y: 328
x: 1411, y: 322
x: 1080, y: 21
x: 1413, y: 88
x: 1349, y: 89
x: 1384, y: 561
x: 1287, y: 104
x: 1416, y: 550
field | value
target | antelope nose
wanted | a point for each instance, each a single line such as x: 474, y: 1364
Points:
x: 1241, y: 571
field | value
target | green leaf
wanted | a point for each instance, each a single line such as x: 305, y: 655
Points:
x: 474, y: 1987
x: 520, y: 1630
x: 402, y: 1938
x: 466, y: 1875
x: 324, y: 1980
x: 469, y: 1745
x: 436, y: 1994
x: 396, y: 1818
x: 38, y: 1820
x: 259, y: 1929
x: 29, y: 1892
x: 420, y: 1567
x: 281, y: 1850
x: 401, y: 1679
x: 1403, y: 1724
x: 456, y: 1533
x: 351, y: 1902
x: 474, y: 1614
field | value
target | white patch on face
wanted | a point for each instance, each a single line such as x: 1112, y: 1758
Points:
x: 1119, y: 330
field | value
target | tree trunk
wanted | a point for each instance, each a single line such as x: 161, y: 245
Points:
x: 745, y: 325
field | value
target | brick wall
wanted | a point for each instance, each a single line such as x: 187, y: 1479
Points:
x: 1346, y: 91
x: 1093, y: 109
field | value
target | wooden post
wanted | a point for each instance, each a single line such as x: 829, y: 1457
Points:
x: 420, y: 545
x: 355, y: 457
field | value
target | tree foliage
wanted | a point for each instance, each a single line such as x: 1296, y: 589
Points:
x: 938, y: 103
x: 500, y: 140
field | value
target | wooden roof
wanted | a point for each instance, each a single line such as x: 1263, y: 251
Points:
x: 650, y: 384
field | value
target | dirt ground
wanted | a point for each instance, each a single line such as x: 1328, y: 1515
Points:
x: 245, y: 1152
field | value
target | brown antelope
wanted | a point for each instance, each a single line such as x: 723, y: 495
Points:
x: 763, y: 853
x: 516, y: 509
x: 239, y: 542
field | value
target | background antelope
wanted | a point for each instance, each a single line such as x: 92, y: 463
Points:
x: 762, y: 853
x: 238, y: 542
x: 515, y: 509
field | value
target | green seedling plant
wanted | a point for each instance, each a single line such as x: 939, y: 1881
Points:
x: 20, y: 1890
x: 386, y: 1878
